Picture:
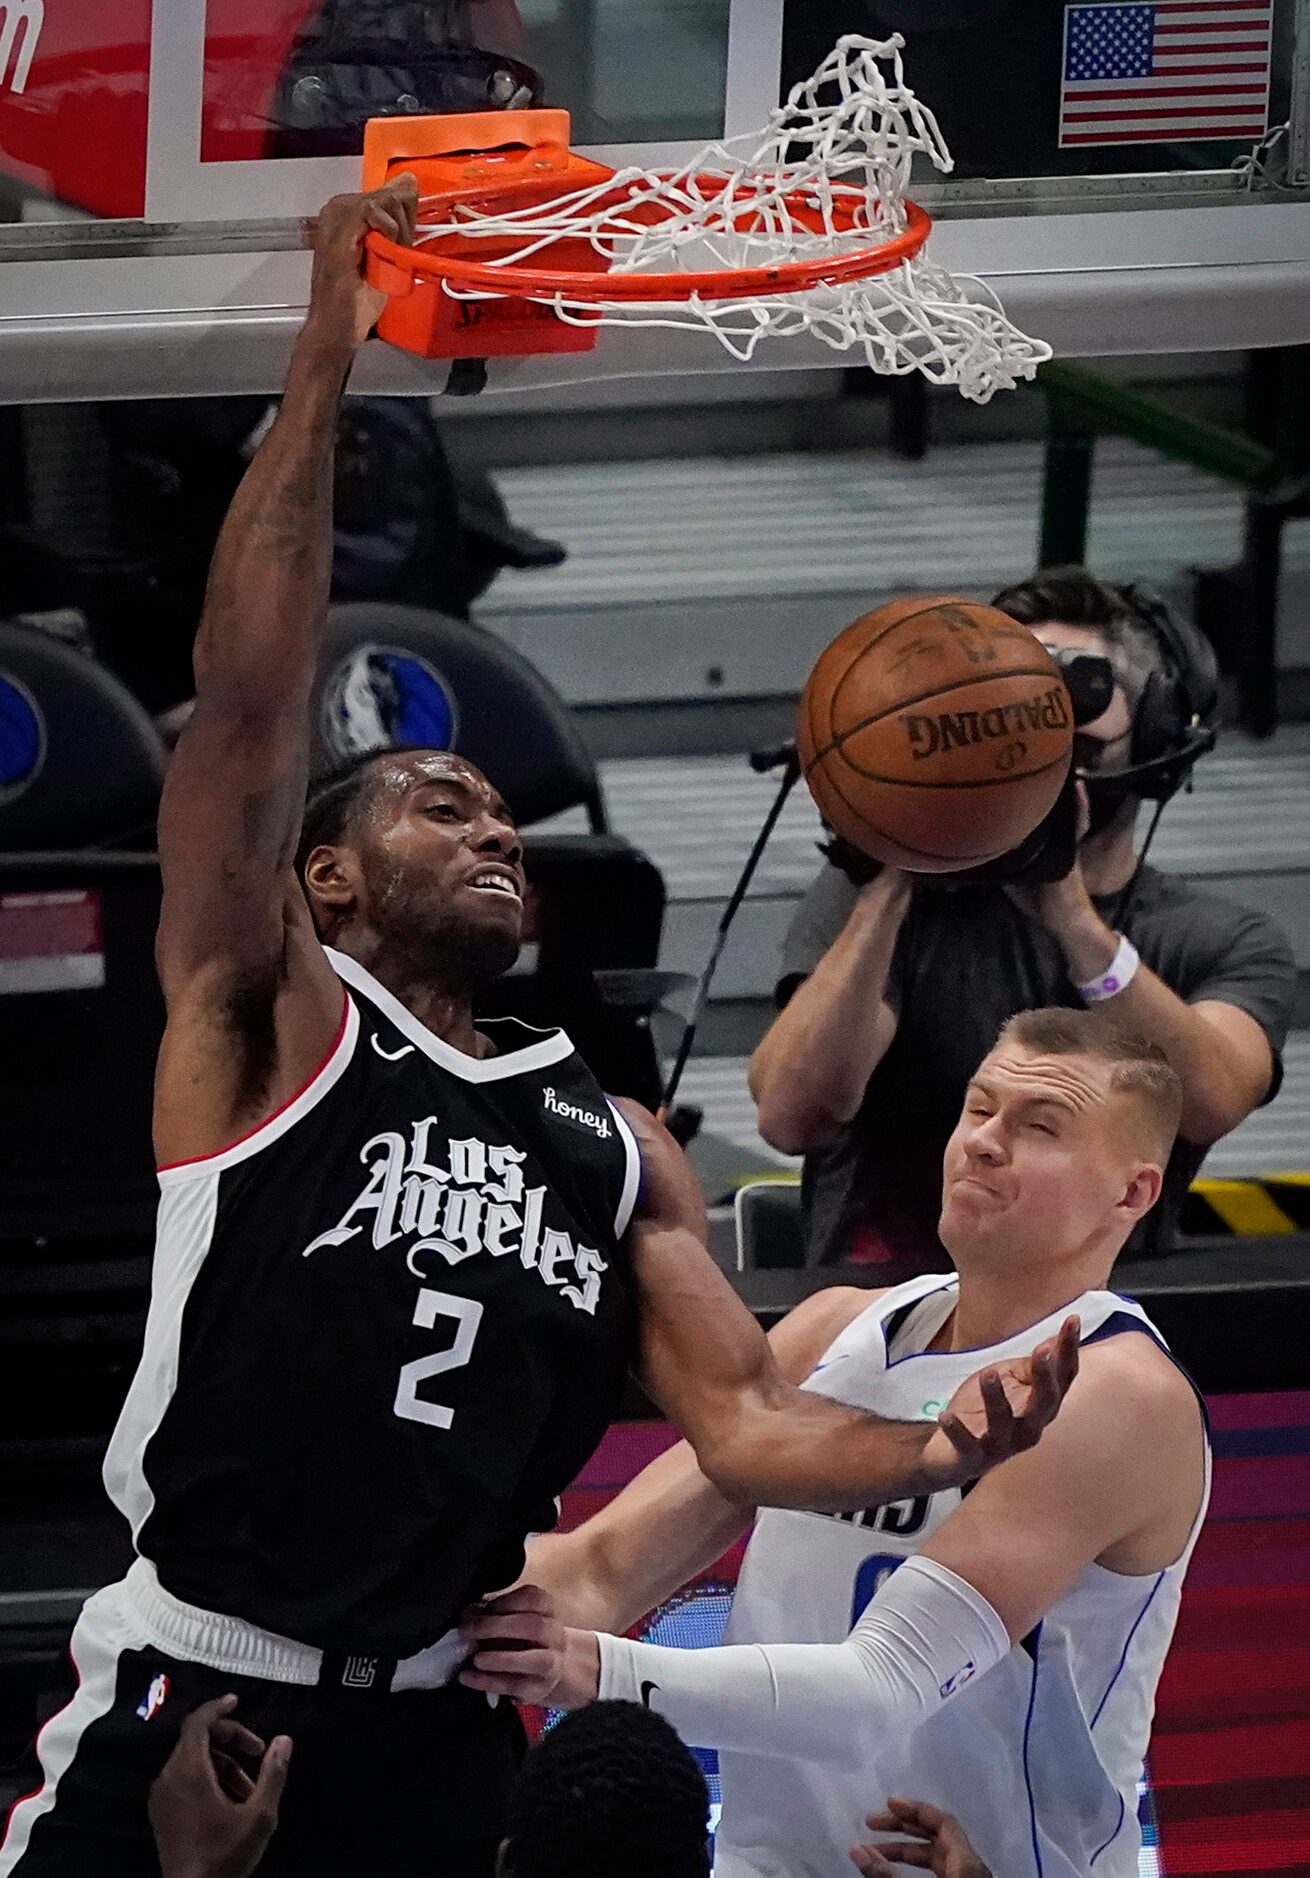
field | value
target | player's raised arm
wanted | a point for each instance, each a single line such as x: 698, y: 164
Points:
x: 235, y: 788
x: 758, y: 1438
x: 227, y: 946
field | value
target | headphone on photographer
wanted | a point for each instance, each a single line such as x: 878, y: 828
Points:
x: 1176, y: 717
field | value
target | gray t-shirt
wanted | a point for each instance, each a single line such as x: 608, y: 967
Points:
x: 965, y: 961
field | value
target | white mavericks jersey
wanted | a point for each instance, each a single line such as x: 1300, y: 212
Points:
x: 1039, y: 1759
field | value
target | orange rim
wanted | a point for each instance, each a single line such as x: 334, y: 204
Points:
x: 532, y: 283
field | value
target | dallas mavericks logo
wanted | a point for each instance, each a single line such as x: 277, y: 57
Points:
x: 22, y: 737
x: 153, y: 1699
x: 478, y: 1203
x: 379, y: 696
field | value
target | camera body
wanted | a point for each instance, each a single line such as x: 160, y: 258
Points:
x: 1050, y: 850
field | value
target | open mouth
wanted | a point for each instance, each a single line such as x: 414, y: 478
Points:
x: 493, y: 881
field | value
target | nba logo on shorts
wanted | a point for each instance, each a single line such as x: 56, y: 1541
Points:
x: 154, y: 1699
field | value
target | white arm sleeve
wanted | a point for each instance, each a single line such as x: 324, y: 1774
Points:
x: 922, y: 1638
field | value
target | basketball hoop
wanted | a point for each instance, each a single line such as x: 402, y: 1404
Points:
x: 523, y: 246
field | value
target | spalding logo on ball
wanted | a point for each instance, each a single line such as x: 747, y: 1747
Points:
x: 935, y: 734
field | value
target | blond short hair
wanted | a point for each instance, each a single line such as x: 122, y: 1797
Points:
x: 1139, y: 1069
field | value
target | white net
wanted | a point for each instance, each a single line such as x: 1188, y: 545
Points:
x: 827, y: 176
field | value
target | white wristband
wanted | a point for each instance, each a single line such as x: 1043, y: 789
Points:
x: 1117, y: 976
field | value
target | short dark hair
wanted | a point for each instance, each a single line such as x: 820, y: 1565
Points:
x: 609, y: 1790
x: 337, y: 797
x: 1138, y: 1068
x: 1076, y: 597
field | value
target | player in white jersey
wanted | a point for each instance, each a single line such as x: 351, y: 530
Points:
x: 1006, y: 1642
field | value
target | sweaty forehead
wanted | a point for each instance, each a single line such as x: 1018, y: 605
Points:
x: 396, y: 776
x: 1078, y: 1082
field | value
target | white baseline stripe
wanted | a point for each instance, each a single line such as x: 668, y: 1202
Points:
x: 95, y: 1653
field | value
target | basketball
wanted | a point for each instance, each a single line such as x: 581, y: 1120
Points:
x: 935, y: 734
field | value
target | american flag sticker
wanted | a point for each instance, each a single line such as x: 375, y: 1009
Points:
x: 1179, y: 71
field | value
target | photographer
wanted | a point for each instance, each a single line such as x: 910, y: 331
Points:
x: 893, y: 988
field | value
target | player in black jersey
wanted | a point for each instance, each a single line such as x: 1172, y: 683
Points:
x: 403, y: 1265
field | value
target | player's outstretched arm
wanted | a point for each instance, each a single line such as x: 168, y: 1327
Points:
x: 758, y: 1438
x: 1120, y: 1480
x: 670, y: 1523
x: 227, y: 945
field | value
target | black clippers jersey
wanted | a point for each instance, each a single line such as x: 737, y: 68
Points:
x: 386, y: 1330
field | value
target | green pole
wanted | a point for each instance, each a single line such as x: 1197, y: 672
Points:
x: 1104, y: 406
x: 1066, y: 485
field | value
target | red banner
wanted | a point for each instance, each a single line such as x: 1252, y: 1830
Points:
x: 74, y: 100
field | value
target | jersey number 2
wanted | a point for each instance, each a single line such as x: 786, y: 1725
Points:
x: 466, y: 1314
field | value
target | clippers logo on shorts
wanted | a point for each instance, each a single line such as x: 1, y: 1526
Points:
x: 579, y: 1117
x: 477, y: 1204
x: 154, y: 1699
x: 382, y: 695
x: 360, y: 1672
x: 929, y: 733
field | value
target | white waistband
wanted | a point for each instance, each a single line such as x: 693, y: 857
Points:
x: 242, y: 1649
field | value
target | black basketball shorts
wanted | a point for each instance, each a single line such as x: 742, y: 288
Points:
x: 381, y: 1785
